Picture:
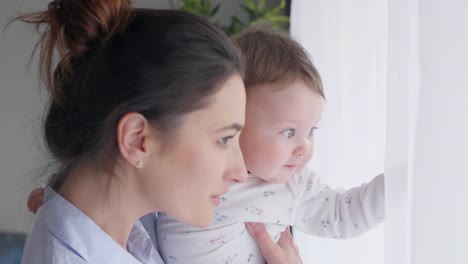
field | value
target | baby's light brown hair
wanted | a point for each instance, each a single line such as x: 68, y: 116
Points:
x: 271, y: 57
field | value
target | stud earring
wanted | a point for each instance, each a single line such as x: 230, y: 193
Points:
x: 139, y: 164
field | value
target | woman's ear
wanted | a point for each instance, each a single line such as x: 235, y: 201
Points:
x: 133, y: 136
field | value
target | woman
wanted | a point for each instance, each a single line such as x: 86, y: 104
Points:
x: 144, y: 115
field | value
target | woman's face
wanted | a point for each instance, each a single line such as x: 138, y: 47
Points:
x: 202, y: 158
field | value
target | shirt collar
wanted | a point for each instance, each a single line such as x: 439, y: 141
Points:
x: 68, y: 224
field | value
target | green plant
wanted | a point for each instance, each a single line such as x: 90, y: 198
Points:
x: 260, y: 13
x: 257, y: 12
x: 202, y: 8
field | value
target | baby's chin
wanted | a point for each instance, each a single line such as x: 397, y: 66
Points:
x: 279, y: 177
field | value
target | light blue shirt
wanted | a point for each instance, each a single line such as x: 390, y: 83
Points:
x: 63, y: 234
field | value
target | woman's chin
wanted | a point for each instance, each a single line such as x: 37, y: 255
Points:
x: 200, y: 220
x: 202, y: 223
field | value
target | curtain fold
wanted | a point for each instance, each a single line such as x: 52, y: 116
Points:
x: 402, y: 113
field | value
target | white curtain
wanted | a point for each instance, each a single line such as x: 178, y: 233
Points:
x: 397, y: 102
x: 427, y: 146
x: 347, y: 43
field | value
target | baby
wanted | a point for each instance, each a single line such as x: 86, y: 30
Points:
x: 285, y: 100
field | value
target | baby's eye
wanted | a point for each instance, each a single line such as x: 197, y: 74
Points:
x: 311, y: 131
x: 289, y: 133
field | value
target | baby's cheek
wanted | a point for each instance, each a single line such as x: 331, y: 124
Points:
x: 307, y: 157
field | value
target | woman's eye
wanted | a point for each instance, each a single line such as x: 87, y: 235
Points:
x: 224, y: 141
x: 288, y: 133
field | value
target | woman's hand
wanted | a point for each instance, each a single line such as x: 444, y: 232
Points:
x: 35, y: 199
x: 285, y: 251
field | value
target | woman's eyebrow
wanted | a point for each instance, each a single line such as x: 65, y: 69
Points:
x: 235, y: 126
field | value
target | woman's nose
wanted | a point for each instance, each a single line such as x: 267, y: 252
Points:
x: 238, y: 171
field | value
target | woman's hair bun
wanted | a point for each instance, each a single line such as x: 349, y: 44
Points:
x: 73, y: 28
x: 84, y: 24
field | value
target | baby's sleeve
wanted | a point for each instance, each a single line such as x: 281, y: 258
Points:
x: 338, y: 213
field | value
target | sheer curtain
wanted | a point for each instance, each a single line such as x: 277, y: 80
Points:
x: 397, y: 102
x: 427, y: 127
x: 347, y: 43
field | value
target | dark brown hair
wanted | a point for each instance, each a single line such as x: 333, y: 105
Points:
x: 114, y: 59
x: 272, y: 56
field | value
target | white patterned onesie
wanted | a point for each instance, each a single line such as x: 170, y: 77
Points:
x: 303, y: 203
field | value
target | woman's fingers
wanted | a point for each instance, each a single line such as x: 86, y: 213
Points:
x: 286, y: 240
x: 285, y: 251
x: 35, y: 199
x: 260, y: 235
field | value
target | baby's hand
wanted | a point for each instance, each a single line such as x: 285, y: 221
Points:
x: 36, y: 197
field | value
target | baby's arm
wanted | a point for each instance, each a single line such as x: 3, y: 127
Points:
x: 339, y: 214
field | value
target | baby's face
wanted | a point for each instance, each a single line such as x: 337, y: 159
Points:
x: 277, y: 140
